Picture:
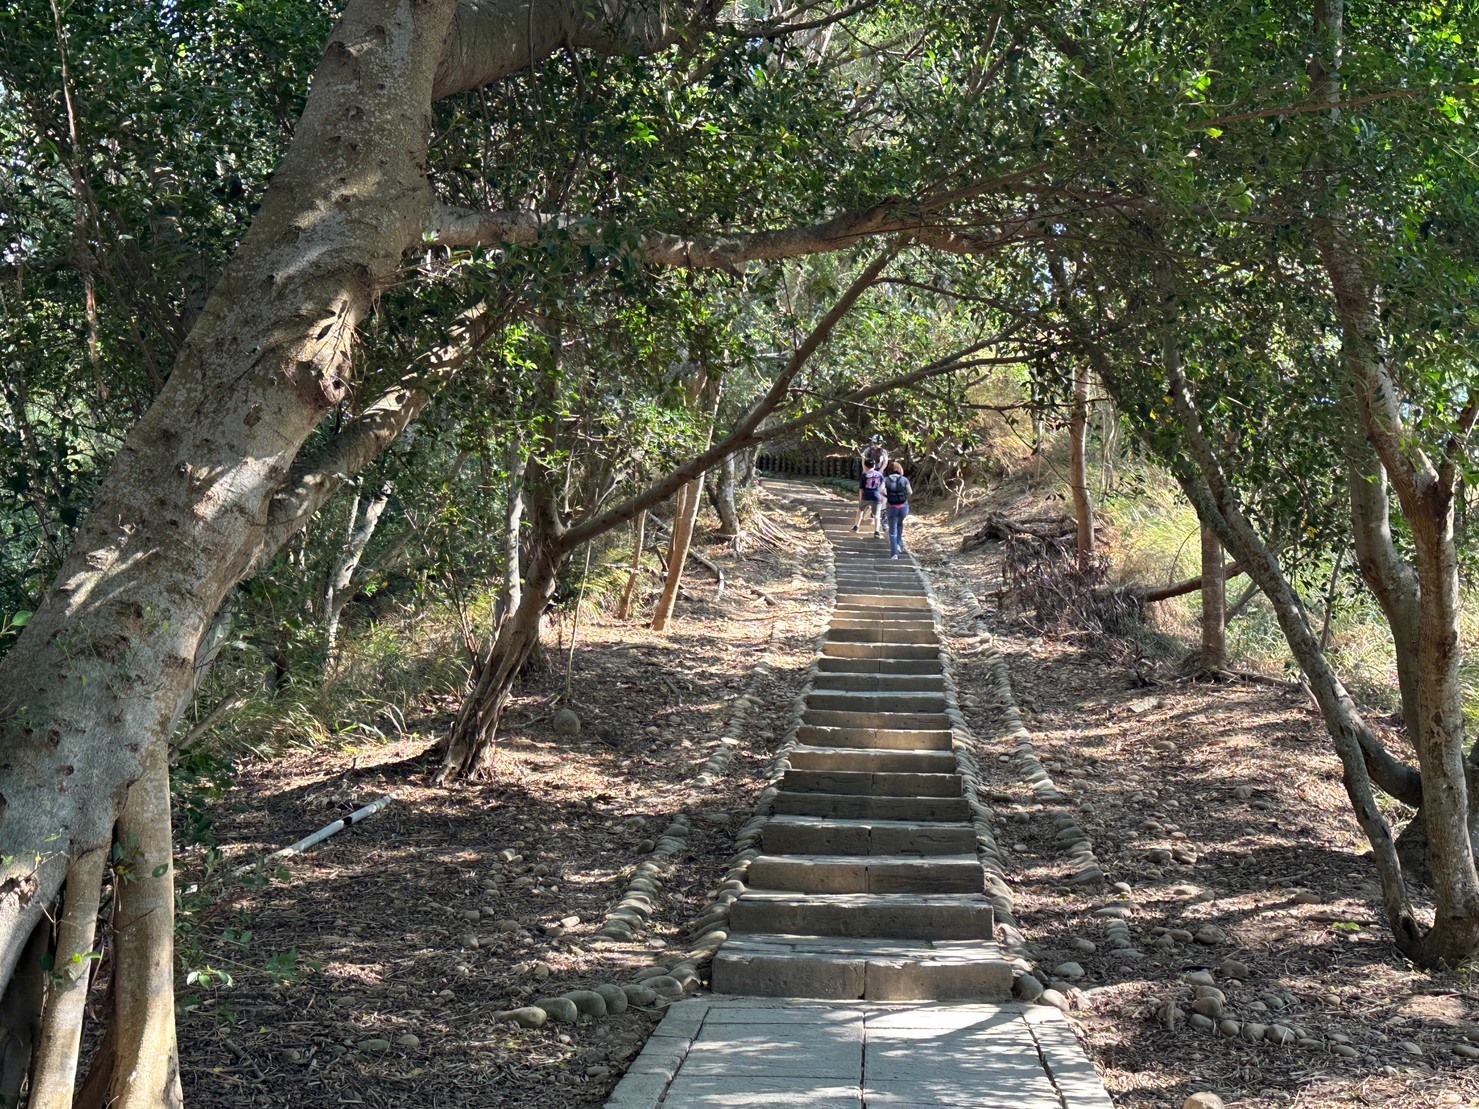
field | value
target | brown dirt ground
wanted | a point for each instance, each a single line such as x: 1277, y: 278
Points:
x: 1244, y: 776
x: 369, y: 931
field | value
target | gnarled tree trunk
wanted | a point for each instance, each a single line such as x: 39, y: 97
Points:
x: 468, y: 750
x: 721, y: 496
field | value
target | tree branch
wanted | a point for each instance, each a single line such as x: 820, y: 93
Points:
x: 745, y: 433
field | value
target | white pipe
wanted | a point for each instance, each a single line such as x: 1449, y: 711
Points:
x: 322, y: 834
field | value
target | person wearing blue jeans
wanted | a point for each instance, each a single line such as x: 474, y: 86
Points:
x: 896, y: 491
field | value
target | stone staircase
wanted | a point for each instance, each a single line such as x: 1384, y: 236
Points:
x: 868, y: 886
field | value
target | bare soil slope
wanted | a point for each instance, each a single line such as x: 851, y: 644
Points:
x: 370, y: 973
x: 1239, y: 781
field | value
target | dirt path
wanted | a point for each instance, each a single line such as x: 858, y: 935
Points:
x: 1221, y: 809
x: 369, y: 973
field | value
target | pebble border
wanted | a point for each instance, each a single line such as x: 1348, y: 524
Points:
x: 1070, y: 837
x: 711, y: 927
x: 634, y: 910
x: 1029, y: 982
x: 1209, y: 1015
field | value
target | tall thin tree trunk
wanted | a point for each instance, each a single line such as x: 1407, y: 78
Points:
x: 140, y: 1068
x: 55, y: 1070
x: 684, y: 517
x: 639, y: 540
x: 1078, y: 479
x: 337, y: 596
x: 704, y: 397
x: 509, y: 596
x: 1214, y: 604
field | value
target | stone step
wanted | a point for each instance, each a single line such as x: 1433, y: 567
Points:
x: 883, y: 635
x: 872, y: 970
x: 872, y: 761
x: 866, y: 873
x: 882, y: 651
x: 869, y: 783
x: 814, y: 835
x: 859, y: 806
x: 924, y: 916
x: 838, y: 718
x: 878, y: 665
x: 881, y: 683
x: 875, y: 739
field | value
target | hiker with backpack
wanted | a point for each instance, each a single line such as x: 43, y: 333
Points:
x: 870, y: 496
x: 896, y: 491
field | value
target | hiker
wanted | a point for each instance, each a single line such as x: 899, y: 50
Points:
x: 896, y: 490
x: 870, y: 500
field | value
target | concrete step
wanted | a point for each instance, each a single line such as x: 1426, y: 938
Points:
x: 925, y: 916
x: 869, y: 783
x: 883, y: 635
x: 873, y: 762
x: 866, y: 874
x: 881, y: 683
x: 845, y: 598
x: 827, y: 665
x: 873, y: 970
x: 837, y: 718
x: 814, y: 835
x: 877, y: 701
x: 875, y: 739
x: 881, y: 651
x: 844, y: 623
x: 859, y: 806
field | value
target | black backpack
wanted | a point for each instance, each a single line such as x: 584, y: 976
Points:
x: 896, y: 489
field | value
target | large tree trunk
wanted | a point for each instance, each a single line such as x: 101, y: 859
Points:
x: 1214, y: 604
x: 100, y: 672
x: 1078, y: 470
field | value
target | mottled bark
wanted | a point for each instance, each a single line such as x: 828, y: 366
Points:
x: 1425, y: 487
x: 360, y: 531
x: 1214, y: 604
x: 685, y: 515
x: 1078, y: 469
x: 54, y: 1072
x: 101, y: 670
x: 639, y: 539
